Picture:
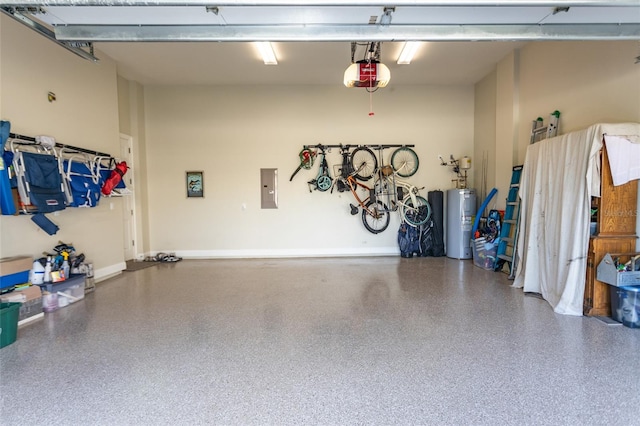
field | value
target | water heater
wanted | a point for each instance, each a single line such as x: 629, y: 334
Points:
x: 461, y: 207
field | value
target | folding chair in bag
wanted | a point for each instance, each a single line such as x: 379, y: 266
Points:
x: 40, y: 182
x: 82, y: 183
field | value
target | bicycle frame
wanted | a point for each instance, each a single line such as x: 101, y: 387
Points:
x: 403, y: 196
x: 395, y: 190
x: 353, y: 184
x: 323, y: 181
x: 412, y: 191
x: 387, y: 182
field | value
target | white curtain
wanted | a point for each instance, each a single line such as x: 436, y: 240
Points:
x: 558, y: 179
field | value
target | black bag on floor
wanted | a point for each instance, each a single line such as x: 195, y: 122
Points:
x: 432, y: 235
x: 408, y: 240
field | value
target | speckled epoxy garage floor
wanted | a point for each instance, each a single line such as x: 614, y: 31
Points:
x: 344, y: 341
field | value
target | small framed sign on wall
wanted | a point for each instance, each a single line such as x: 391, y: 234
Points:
x: 195, y: 185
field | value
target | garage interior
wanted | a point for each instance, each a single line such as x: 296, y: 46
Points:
x: 297, y: 314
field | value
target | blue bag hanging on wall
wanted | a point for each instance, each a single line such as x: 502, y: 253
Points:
x: 6, y: 198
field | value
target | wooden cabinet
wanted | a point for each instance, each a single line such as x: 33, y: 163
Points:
x: 596, y: 293
x: 615, y: 233
x: 617, y: 205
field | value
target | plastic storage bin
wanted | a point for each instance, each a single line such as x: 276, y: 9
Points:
x: 8, y: 323
x: 624, y: 288
x: 625, y: 305
x: 608, y: 273
x: 60, y: 294
x: 484, y: 253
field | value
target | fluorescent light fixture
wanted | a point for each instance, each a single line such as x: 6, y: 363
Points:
x: 408, y: 50
x: 266, y: 50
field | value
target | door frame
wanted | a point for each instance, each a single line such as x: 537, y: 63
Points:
x: 129, y: 203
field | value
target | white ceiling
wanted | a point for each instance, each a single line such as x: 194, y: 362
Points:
x: 237, y: 63
x: 186, y: 43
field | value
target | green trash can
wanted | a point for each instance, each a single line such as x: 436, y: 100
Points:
x: 8, y: 323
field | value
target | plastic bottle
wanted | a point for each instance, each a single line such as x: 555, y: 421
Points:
x: 47, y: 270
x: 37, y: 273
x: 65, y: 265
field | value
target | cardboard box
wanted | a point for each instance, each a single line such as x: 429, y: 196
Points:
x: 31, y: 293
x: 13, y: 265
x: 26, y: 295
x: 14, y: 270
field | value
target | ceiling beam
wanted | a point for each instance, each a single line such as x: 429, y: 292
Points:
x: 154, y: 33
x: 332, y: 3
x: 42, y: 30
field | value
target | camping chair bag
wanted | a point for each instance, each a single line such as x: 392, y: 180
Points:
x: 83, y: 185
x: 42, y: 174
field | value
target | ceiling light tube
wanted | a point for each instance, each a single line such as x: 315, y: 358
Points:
x: 408, y: 50
x: 266, y: 50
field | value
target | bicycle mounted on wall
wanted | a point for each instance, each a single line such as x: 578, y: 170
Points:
x: 397, y: 193
x: 323, y: 181
x: 388, y: 192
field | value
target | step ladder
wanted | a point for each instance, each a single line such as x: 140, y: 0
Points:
x: 539, y: 131
x: 506, y: 253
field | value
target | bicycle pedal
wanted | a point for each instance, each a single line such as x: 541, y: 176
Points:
x: 354, y: 210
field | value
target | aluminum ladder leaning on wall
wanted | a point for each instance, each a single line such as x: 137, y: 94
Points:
x: 539, y: 131
x: 506, y: 252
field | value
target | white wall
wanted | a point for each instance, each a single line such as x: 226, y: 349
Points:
x: 484, y: 149
x: 232, y: 132
x: 85, y: 115
x: 131, y: 112
x: 507, y: 118
x: 588, y: 82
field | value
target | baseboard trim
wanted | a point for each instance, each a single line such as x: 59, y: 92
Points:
x: 31, y: 319
x: 284, y: 253
x: 109, y: 271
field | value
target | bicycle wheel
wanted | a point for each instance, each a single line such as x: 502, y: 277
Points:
x: 323, y: 183
x: 375, y: 217
x: 415, y: 215
x: 405, y: 161
x: 364, y: 163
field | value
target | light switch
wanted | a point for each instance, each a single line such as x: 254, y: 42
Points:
x: 269, y: 188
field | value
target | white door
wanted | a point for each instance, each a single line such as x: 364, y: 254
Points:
x: 128, y: 200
